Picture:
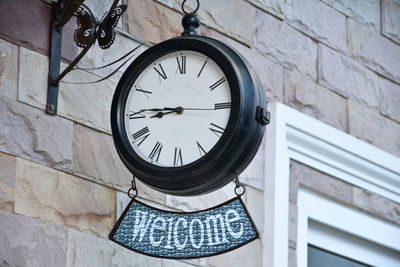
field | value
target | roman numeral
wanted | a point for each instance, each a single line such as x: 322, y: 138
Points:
x: 181, y: 64
x: 139, y: 89
x: 205, y: 62
x: 136, y: 116
x: 201, y: 149
x: 222, y: 105
x: 141, y: 135
x: 155, y: 153
x: 161, y: 72
x: 218, y: 83
x: 217, y: 130
x: 178, y: 157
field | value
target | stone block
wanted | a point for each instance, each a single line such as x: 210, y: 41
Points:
x: 373, y: 50
x: 253, y: 175
x: 32, y: 134
x: 85, y: 103
x: 278, y: 8
x: 292, y: 225
x: 254, y: 200
x: 369, y: 126
x: 315, y: 100
x: 30, y: 242
x: 269, y: 72
x: 157, y: 24
x: 7, y: 181
x: 175, y: 263
x: 348, y: 77
x: 292, y: 262
x: 250, y: 254
x: 88, y: 250
x: 320, y: 182
x: 233, y: 19
x: 8, y: 69
x: 203, y: 201
x: 319, y: 21
x: 123, y: 199
x: 96, y: 158
x: 366, y: 12
x: 32, y: 79
x: 376, y: 204
x: 97, y: 57
x: 391, y: 20
x: 284, y: 44
x: 390, y: 99
x: 51, y: 195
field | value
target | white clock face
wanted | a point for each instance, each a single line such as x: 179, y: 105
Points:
x: 177, y: 109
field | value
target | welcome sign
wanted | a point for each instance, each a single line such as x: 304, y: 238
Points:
x: 185, y: 235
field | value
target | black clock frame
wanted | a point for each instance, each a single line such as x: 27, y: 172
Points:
x: 237, y: 146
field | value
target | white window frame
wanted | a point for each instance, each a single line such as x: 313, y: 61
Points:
x: 344, y: 230
x: 293, y: 135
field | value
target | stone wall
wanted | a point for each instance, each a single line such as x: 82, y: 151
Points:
x: 62, y: 184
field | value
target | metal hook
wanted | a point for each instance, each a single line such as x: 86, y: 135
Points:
x: 133, y: 192
x: 183, y: 7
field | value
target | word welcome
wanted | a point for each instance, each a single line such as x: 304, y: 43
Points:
x: 184, y: 235
x: 173, y: 231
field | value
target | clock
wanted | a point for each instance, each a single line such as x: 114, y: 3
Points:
x: 188, y: 115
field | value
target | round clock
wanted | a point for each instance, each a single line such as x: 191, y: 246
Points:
x: 187, y: 115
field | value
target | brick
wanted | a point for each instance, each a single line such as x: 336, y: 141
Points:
x: 7, y: 181
x: 377, y: 205
x: 276, y: 7
x: 369, y: 126
x: 319, y: 21
x: 31, y: 134
x: 374, y: 51
x: 85, y: 103
x: 390, y: 99
x: 284, y: 44
x: 347, y: 77
x: 391, y: 20
x: 8, y: 69
x: 51, y: 195
x: 366, y: 12
x: 315, y: 100
x: 318, y: 181
x: 30, y: 242
x: 88, y: 250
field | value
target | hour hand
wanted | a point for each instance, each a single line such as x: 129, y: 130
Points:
x: 161, y: 114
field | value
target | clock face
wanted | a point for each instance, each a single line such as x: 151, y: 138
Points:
x: 177, y: 109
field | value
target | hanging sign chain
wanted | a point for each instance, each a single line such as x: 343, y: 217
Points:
x: 133, y: 192
x: 195, y: 10
x: 239, y: 188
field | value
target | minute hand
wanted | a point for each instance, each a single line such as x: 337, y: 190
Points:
x: 199, y: 108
